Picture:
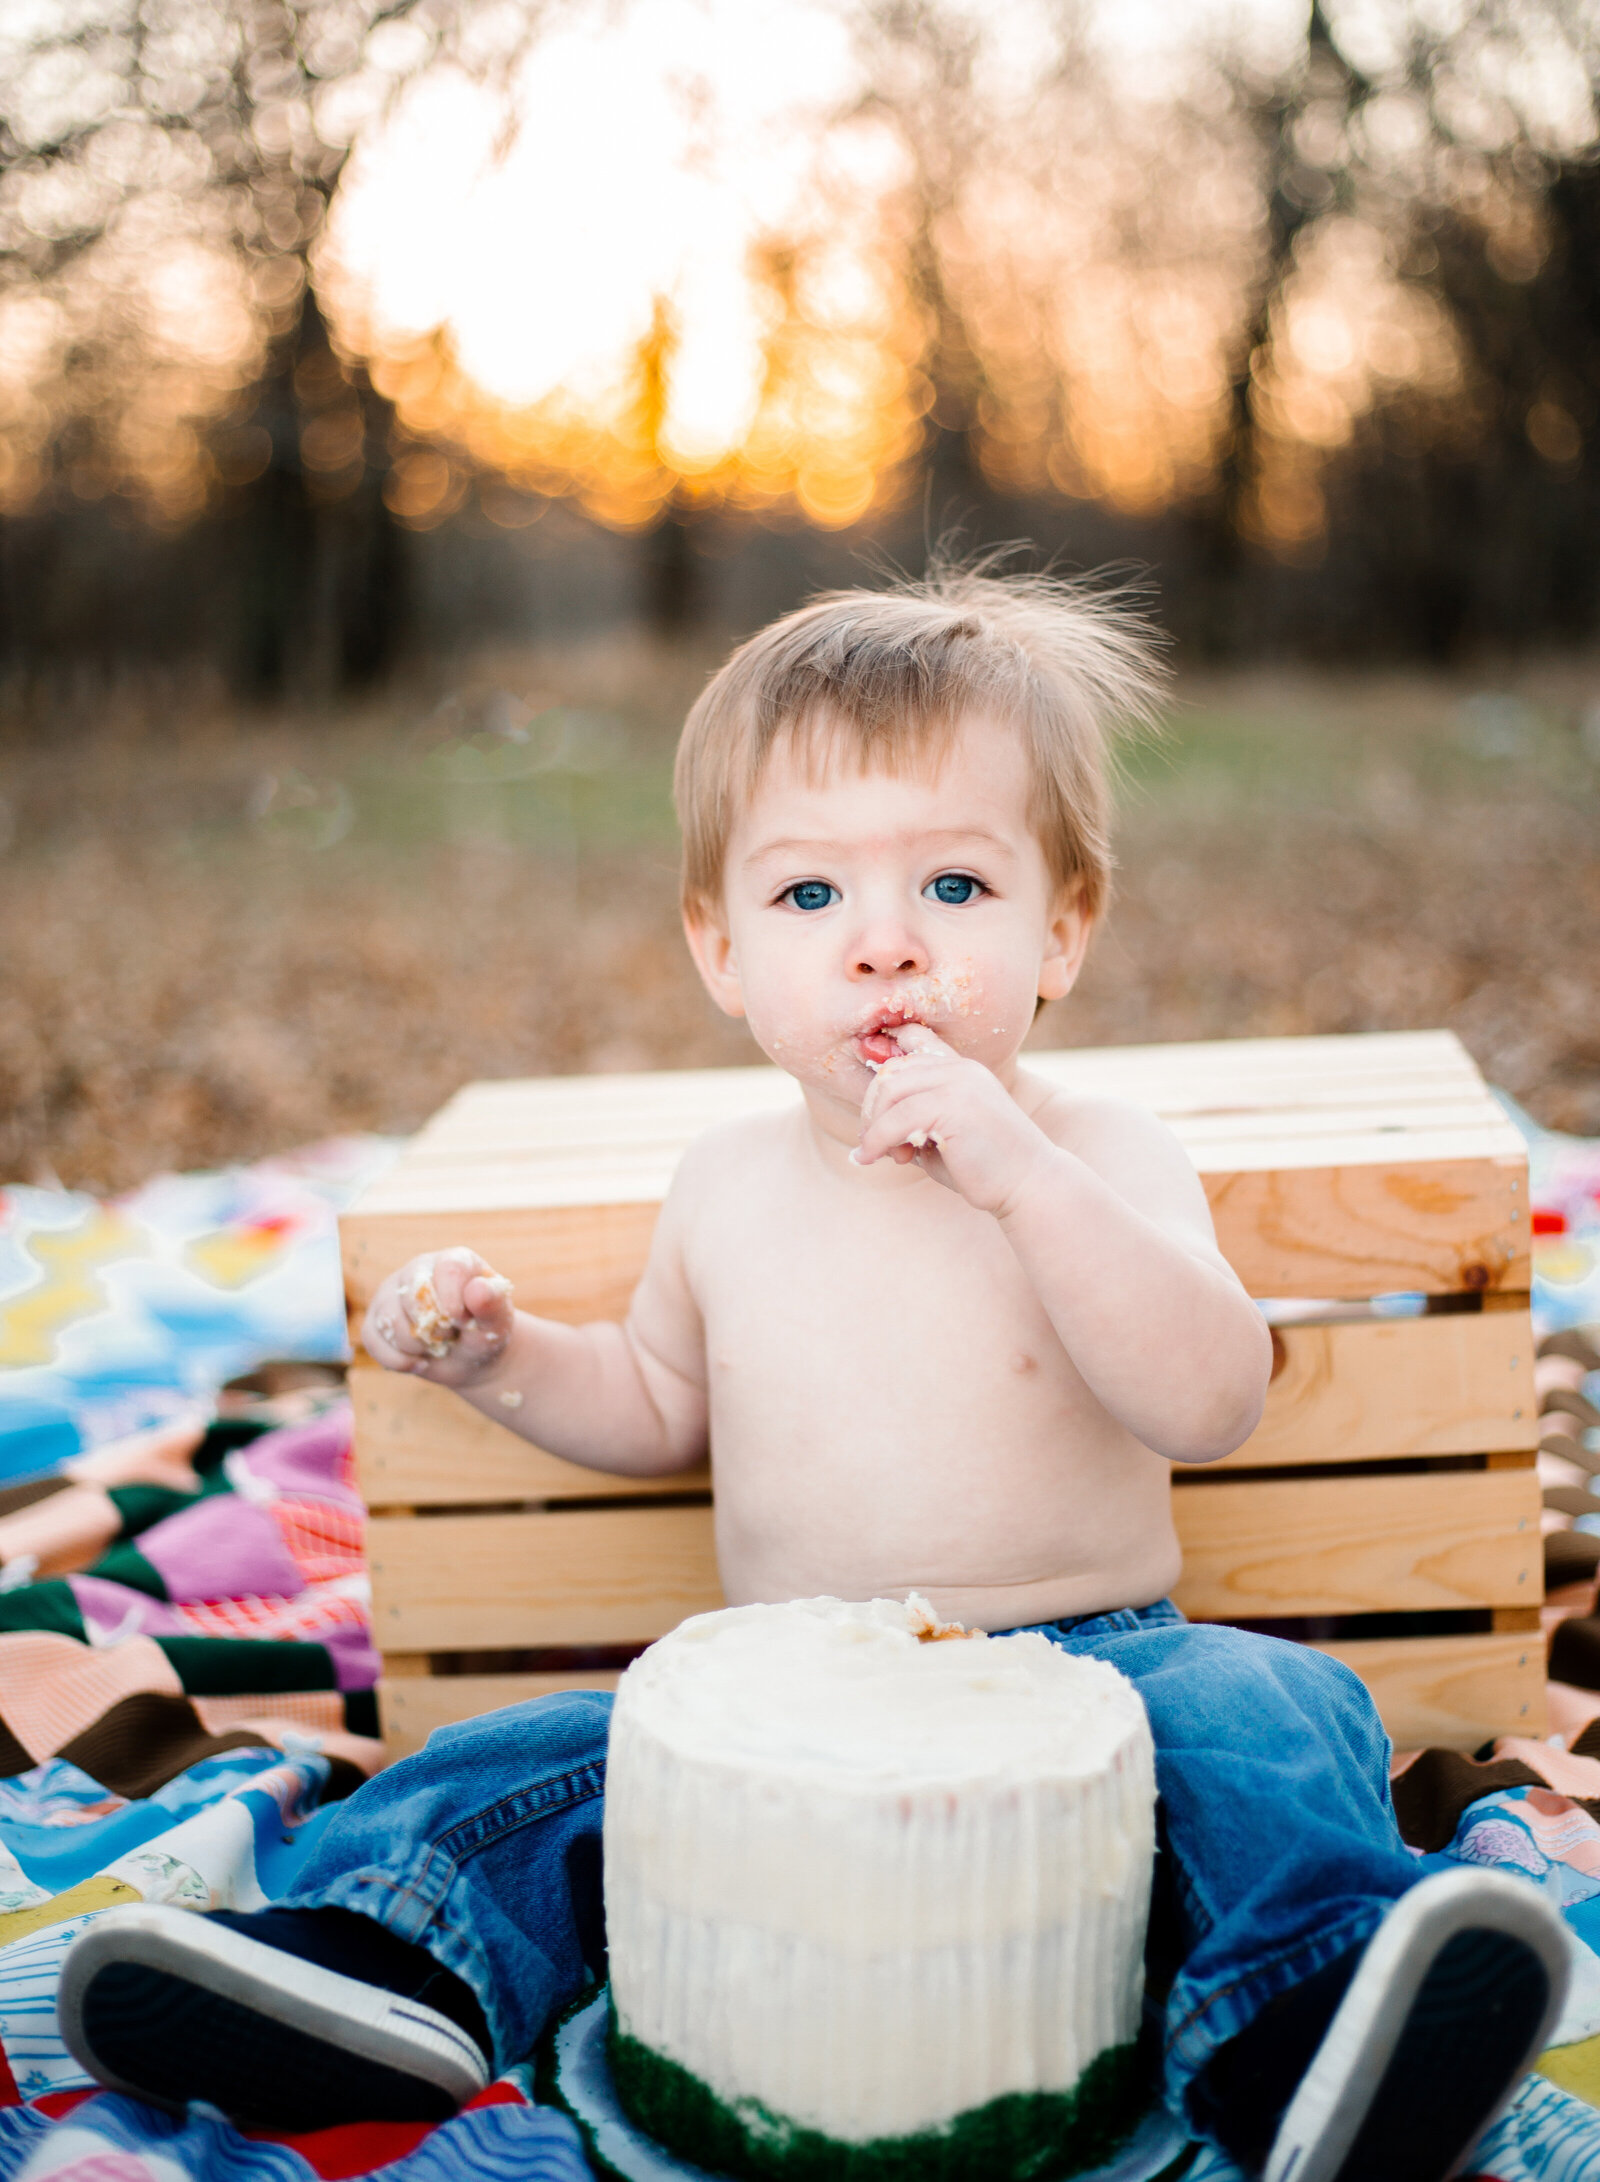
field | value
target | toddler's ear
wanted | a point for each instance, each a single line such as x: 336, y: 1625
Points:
x: 1066, y: 944
x: 712, y: 950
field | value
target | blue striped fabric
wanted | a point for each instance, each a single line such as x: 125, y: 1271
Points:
x: 111, y: 2139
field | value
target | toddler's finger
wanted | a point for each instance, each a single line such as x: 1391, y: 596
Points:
x: 431, y: 1293
x: 486, y: 1300
x: 487, y: 1295
x: 916, y: 1038
x: 387, y: 1339
x: 910, y: 1123
x: 450, y: 1271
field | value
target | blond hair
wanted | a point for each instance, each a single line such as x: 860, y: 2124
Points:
x: 885, y: 678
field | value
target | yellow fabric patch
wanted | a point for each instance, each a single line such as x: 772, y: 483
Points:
x: 1574, y: 2068
x: 100, y: 1892
x: 230, y: 1257
x: 30, y: 1322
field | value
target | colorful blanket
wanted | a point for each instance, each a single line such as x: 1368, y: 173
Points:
x: 232, y: 1830
x: 230, y: 1573
x: 129, y: 1312
x: 1564, y: 1189
x: 182, y: 1705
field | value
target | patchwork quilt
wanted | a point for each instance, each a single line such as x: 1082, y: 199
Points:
x: 186, y: 1668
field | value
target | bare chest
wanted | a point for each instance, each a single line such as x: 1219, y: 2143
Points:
x: 903, y: 1297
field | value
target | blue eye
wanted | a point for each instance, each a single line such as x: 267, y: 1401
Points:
x: 813, y: 894
x: 953, y: 888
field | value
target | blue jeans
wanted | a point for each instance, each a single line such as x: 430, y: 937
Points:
x: 1278, y: 1845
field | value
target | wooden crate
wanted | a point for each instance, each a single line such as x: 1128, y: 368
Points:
x: 1391, y: 1475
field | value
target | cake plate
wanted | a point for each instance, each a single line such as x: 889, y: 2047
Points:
x: 579, y: 2076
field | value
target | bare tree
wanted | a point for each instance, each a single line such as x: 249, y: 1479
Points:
x: 167, y: 166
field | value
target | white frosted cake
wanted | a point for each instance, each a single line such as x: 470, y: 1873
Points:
x: 876, y: 1895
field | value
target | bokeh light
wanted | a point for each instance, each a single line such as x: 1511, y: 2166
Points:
x: 672, y: 277
x: 673, y: 254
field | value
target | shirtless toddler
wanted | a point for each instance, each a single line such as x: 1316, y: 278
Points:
x: 942, y: 1329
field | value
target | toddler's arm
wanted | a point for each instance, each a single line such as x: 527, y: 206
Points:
x: 1114, y: 1234
x: 627, y: 1398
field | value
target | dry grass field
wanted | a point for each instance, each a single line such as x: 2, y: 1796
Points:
x: 226, y: 935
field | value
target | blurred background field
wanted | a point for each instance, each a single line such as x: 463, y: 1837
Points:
x: 403, y: 403
x: 223, y: 938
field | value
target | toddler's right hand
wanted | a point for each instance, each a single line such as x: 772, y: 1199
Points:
x: 446, y: 1316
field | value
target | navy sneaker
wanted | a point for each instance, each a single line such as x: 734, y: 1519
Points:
x: 1455, y: 1995
x: 175, y: 2006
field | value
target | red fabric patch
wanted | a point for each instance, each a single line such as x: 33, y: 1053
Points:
x: 358, y: 2147
x: 495, y: 2094
x: 324, y: 1542
x: 57, y: 2105
x: 354, y: 2147
x: 9, y: 2094
x: 1544, y: 1223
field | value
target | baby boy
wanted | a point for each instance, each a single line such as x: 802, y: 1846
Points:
x: 945, y: 1329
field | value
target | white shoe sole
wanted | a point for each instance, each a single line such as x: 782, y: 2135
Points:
x: 150, y: 2002
x: 1523, y: 1948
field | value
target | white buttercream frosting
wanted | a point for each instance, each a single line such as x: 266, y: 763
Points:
x: 869, y: 1880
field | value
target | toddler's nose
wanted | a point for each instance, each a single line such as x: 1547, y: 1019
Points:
x: 888, y: 950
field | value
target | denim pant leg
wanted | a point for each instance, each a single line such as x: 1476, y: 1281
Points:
x: 1273, y: 1773
x: 484, y: 1848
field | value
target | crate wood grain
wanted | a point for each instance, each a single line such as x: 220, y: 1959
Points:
x: 412, y: 1706
x: 1357, y: 1392
x: 568, y: 1576
x: 1254, y: 1549
x: 1347, y: 1169
x: 1373, y: 1390
x: 1430, y: 1690
x: 1261, y: 1549
x: 421, y: 1446
x: 1441, y: 1690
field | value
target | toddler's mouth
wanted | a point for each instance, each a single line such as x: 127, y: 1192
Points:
x: 877, y: 1043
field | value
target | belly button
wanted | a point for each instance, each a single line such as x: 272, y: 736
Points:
x: 1023, y: 1363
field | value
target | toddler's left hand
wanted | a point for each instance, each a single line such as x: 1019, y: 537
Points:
x: 959, y: 1122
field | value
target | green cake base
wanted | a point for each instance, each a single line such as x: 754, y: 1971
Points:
x: 666, y: 2123
x: 1024, y: 2136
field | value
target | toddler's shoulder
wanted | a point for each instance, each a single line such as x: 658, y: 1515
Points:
x: 730, y: 1152
x: 1083, y: 1121
x: 1130, y: 1147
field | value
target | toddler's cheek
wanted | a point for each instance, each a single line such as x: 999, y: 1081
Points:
x: 794, y: 1046
x: 993, y: 1036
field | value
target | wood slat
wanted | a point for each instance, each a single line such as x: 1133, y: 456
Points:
x: 616, y: 1150
x: 568, y: 1262
x: 535, y: 1133
x: 411, y: 1707
x: 1253, y: 1549
x: 1371, y: 1390
x: 573, y: 1576
x: 557, y: 1182
x: 1453, y: 1692
x: 1359, y: 1392
x: 1260, y: 1549
x: 419, y: 1445
x: 1337, y: 1233
x: 1242, y: 1077
x: 1435, y: 1229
